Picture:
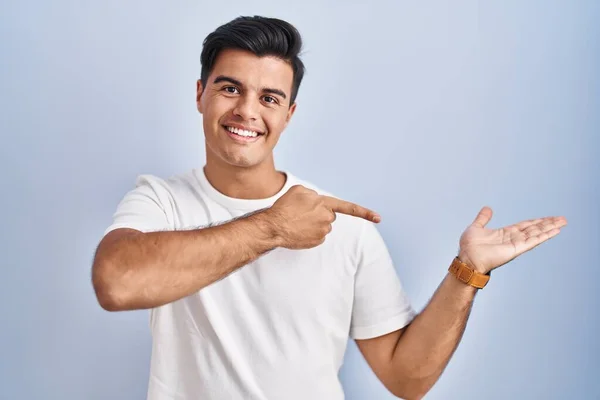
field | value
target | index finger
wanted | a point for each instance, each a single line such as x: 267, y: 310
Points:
x: 348, y: 208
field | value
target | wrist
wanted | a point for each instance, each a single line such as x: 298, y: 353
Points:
x: 268, y: 227
x: 463, y: 257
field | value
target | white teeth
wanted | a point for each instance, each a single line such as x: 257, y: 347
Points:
x: 242, y: 132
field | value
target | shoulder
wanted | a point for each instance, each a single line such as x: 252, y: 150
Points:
x: 171, y: 185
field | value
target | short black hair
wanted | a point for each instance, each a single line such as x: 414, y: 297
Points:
x: 260, y: 35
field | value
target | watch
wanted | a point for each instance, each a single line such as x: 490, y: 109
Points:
x: 468, y: 275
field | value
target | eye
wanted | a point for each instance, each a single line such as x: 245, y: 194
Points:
x: 231, y: 89
x: 270, y: 99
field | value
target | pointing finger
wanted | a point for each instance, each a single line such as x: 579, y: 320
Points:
x: 348, y: 208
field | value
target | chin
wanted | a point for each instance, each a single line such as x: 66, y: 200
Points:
x: 242, y: 161
x: 236, y: 156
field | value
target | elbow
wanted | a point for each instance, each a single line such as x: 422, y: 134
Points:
x: 109, y: 294
x: 406, y: 395
x: 109, y: 302
x: 414, y: 390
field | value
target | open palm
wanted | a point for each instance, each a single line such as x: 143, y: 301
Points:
x: 486, y: 249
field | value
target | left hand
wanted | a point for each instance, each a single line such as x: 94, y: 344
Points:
x: 486, y: 249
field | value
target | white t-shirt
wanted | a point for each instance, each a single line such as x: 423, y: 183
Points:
x: 276, y: 328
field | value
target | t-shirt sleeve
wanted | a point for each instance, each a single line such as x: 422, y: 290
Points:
x: 380, y: 304
x: 143, y: 208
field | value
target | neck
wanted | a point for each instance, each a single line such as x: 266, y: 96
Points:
x: 257, y: 182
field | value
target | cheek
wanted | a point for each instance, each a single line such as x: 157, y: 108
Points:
x: 216, y: 108
x: 275, y: 123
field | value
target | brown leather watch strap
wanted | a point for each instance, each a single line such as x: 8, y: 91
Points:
x: 467, y: 275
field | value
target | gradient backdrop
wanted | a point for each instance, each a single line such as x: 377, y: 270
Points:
x: 424, y: 112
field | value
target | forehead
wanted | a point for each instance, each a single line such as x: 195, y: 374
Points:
x: 254, y: 71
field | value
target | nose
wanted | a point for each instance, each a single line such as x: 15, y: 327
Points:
x: 247, y: 108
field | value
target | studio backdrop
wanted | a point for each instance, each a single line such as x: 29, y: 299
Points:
x: 422, y: 111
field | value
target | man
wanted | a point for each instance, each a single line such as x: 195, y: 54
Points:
x: 256, y: 279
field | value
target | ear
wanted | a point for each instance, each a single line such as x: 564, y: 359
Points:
x: 290, y: 113
x: 199, y: 91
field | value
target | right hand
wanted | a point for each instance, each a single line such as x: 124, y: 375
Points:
x: 302, y: 218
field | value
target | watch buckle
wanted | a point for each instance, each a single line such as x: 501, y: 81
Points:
x: 465, y: 274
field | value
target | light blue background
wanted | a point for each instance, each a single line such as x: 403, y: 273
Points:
x: 423, y: 111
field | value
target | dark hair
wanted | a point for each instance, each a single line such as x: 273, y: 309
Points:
x: 259, y: 35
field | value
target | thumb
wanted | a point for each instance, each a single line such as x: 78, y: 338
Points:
x: 484, y: 216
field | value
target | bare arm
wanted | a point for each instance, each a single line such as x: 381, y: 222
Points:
x: 409, y: 361
x: 135, y: 270
x: 426, y: 346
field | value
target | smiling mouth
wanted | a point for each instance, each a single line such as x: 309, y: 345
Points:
x: 243, y: 132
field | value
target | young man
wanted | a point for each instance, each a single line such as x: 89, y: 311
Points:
x: 256, y: 279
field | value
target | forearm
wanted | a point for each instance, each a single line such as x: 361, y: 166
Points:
x: 147, y: 270
x: 425, y: 348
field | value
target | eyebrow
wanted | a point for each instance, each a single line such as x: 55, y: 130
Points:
x: 223, y: 78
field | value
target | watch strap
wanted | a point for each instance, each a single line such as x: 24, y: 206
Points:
x: 468, y: 275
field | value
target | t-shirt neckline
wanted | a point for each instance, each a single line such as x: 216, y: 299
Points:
x: 240, y: 204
